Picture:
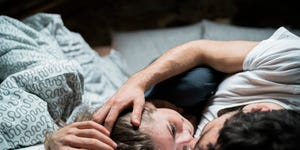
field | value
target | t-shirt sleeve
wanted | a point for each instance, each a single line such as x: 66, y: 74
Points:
x: 276, y: 58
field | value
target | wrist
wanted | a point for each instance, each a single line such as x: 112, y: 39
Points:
x: 138, y: 80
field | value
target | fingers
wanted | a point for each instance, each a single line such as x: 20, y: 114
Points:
x: 108, y: 113
x: 136, y: 116
x: 112, y: 117
x: 91, y: 125
x: 127, y: 96
x: 92, y: 133
x: 101, y: 114
x: 87, y: 143
x: 87, y: 134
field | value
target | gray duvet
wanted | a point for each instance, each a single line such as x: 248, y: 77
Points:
x: 45, y: 72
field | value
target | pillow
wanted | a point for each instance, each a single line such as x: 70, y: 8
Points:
x: 190, y: 89
x: 217, y: 31
x: 139, y: 48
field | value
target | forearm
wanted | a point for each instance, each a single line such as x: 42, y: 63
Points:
x: 223, y: 56
x: 171, y: 63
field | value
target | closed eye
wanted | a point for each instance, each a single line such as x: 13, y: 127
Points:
x: 173, y: 130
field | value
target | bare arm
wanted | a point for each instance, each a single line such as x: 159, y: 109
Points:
x: 223, y: 56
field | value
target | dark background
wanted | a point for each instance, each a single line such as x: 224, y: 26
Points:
x: 96, y: 19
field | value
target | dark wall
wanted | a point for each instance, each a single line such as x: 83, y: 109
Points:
x: 95, y: 19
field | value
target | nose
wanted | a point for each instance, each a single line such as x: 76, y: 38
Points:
x: 193, y: 143
x: 185, y: 138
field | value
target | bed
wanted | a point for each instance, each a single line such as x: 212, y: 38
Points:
x: 129, y: 52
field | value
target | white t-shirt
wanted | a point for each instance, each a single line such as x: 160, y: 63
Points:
x: 271, y: 73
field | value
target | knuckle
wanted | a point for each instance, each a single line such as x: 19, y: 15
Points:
x: 95, y: 117
x: 109, y: 102
x: 93, y: 131
x: 117, y: 99
x: 108, y: 121
x: 113, y: 99
x: 66, y: 139
x: 92, y: 142
x: 71, y: 131
x: 116, y: 108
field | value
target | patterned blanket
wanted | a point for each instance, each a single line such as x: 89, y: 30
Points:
x: 45, y: 72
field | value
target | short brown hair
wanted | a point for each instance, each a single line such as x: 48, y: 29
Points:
x: 124, y: 133
x: 131, y: 138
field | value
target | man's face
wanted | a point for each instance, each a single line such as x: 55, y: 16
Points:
x: 210, y: 132
x: 169, y: 130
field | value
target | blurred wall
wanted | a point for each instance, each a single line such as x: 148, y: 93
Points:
x: 95, y: 19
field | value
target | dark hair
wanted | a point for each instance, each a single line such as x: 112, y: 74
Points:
x: 275, y: 130
x: 128, y: 137
x: 124, y: 133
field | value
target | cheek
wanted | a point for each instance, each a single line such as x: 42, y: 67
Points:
x: 167, y: 146
x: 159, y: 134
x: 163, y: 141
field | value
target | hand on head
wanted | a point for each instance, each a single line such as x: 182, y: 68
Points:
x: 129, y: 95
x: 86, y: 135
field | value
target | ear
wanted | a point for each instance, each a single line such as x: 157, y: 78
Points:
x: 257, y: 107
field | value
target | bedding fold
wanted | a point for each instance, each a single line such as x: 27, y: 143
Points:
x: 46, y: 71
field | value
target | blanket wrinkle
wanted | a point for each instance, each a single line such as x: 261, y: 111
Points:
x: 46, y: 72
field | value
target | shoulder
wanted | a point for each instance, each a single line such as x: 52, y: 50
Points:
x: 281, y: 48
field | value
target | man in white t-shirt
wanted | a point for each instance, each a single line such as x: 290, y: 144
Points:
x: 270, y: 73
x: 270, y: 80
